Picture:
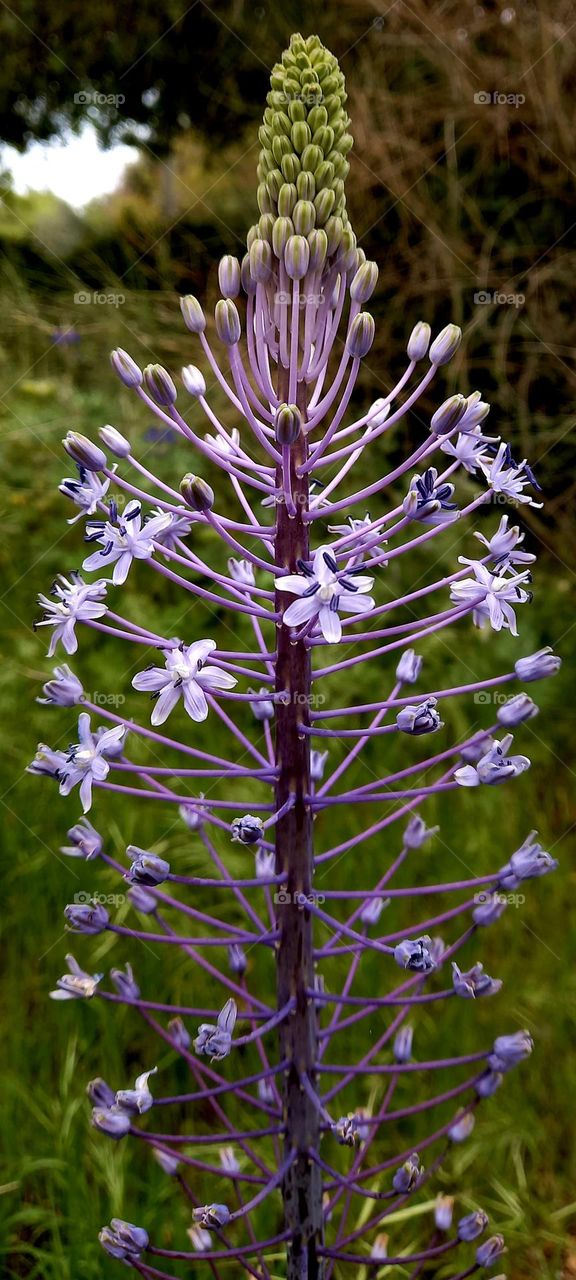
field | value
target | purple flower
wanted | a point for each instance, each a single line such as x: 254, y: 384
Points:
x: 462, y: 1127
x: 492, y: 596
x: 86, y: 492
x: 139, y: 1099
x: 86, y: 842
x: 212, y: 1215
x: 262, y: 707
x: 64, y: 690
x: 409, y: 667
x: 509, y: 478
x: 529, y: 862
x: 414, y: 954
x: 474, y: 983
x: 123, y: 539
x: 86, y: 917
x: 472, y: 1226
x: 443, y: 1211
x: 317, y: 764
x: 516, y: 710
x: 468, y: 448
x: 86, y: 761
x: 147, y: 868
x: 346, y: 1130
x: 490, y: 908
x: 123, y: 980
x: 538, y: 665
x: 502, y: 545
x: 402, y: 1046
x: 508, y: 1051
x: 100, y: 1093
x: 417, y: 833
x: 74, y: 601
x: 488, y: 1083
x: 112, y: 1121
x: 408, y: 1175
x: 491, y: 1251
x: 323, y: 592
x: 247, y: 830
x: 429, y: 501
x: 123, y: 1240
x: 419, y: 719
x: 494, y: 767
x: 215, y: 1041
x: 179, y: 1035
x: 76, y: 985
x: 184, y: 675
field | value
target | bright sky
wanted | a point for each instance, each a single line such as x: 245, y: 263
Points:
x: 75, y: 169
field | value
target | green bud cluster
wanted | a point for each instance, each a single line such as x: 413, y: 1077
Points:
x: 305, y: 142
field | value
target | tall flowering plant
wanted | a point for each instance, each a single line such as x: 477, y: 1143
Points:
x: 296, y: 1175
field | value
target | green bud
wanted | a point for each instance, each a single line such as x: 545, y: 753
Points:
x: 287, y: 423
x: 287, y: 198
x: 283, y: 229
x: 361, y: 335
x: 324, y: 203
x: 260, y: 261
x: 364, y: 282
x: 306, y: 186
x: 304, y: 217
x: 227, y: 321
x: 290, y: 168
x: 311, y: 158
x: 301, y: 136
x: 318, y: 246
x: 194, y: 317
x: 280, y: 147
x: 159, y: 385
x: 296, y: 257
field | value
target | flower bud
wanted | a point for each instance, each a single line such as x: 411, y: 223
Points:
x: 409, y: 667
x: 283, y: 229
x: 324, y: 205
x: 100, y: 1093
x: 448, y: 415
x: 416, y: 832
x: 196, y: 493
x: 287, y: 197
x: 360, y: 335
x: 212, y: 1215
x: 194, y: 317
x: 123, y: 1240
x: 462, y: 1127
x: 168, y: 1163
x: 123, y: 980
x: 538, y: 665
x: 228, y: 321
x: 179, y: 1035
x: 378, y: 412
x: 229, y: 275
x: 260, y: 269
x: 296, y: 257
x: 508, y: 1051
x: 364, y: 282
x: 472, y: 1226
x: 86, y: 917
x: 408, y: 1175
x: 84, y: 451
x: 64, y: 690
x: 445, y: 345
x: 194, y: 381
x: 443, y: 1212
x: 159, y: 385
x: 112, y: 1121
x: 318, y: 246
x: 237, y: 959
x: 128, y: 371
x: 488, y: 1083
x: 262, y: 707
x: 147, y: 868
x: 304, y: 217
x: 287, y: 424
x: 419, y: 341
x: 402, y: 1046
x: 489, y: 1252
x: 414, y: 954
x: 517, y: 709
x: 317, y: 764
x: 247, y: 830
x: 115, y: 441
x: 419, y: 719
x: 142, y: 901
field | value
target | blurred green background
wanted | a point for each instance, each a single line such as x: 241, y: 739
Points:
x: 467, y: 206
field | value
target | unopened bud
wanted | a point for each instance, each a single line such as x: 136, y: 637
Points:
x: 229, y: 275
x: 287, y: 423
x: 364, y: 282
x: 126, y: 368
x: 228, y: 321
x: 445, y: 345
x: 196, y: 493
x: 159, y: 385
x: 360, y: 335
x: 115, y: 441
x: 419, y: 341
x: 194, y: 381
x: 84, y: 451
x: 194, y: 317
x: 296, y: 257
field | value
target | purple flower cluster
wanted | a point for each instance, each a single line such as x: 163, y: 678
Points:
x: 300, y: 1119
